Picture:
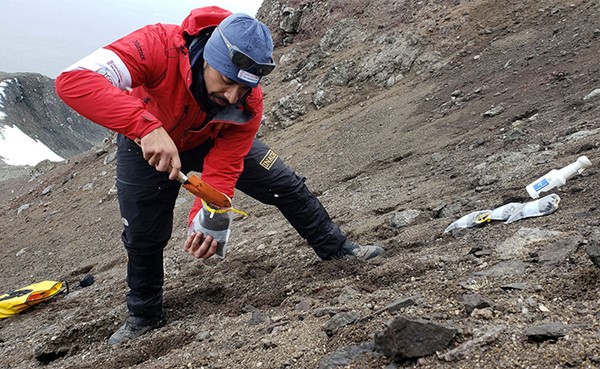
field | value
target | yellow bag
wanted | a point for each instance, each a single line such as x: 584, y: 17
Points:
x: 14, y: 302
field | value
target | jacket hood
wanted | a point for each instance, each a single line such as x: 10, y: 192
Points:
x: 201, y: 18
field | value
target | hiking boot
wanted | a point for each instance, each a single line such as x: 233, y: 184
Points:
x: 352, y: 250
x: 133, y: 328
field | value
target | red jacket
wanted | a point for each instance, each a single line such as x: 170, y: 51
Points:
x: 142, y: 81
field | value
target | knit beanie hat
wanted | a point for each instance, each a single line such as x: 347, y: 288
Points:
x: 250, y: 36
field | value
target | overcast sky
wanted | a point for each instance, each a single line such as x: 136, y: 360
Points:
x: 47, y: 36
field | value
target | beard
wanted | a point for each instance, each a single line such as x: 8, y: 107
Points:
x: 218, y: 101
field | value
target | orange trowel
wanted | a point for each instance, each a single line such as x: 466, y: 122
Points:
x: 203, y: 190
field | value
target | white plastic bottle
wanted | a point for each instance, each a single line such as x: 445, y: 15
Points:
x: 557, y: 177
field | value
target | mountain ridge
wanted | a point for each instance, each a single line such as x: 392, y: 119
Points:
x: 29, y: 102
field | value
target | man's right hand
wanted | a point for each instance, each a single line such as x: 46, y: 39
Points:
x: 212, y: 224
x: 160, y: 151
x: 200, y: 246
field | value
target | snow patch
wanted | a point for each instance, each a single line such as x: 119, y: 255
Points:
x: 16, y: 148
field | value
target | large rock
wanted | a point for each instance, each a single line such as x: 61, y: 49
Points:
x: 593, y: 247
x: 406, y: 339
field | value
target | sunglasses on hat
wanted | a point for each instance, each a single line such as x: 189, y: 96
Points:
x: 245, y: 62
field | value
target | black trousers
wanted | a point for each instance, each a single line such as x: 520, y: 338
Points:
x: 147, y: 198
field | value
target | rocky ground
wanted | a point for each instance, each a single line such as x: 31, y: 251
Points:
x: 404, y: 116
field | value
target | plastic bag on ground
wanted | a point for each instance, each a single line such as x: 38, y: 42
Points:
x: 474, y: 219
x: 505, y: 211
x: 544, y: 206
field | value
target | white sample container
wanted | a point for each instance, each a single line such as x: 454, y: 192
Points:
x: 557, y: 177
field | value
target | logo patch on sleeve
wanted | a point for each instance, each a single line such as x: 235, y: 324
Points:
x: 268, y: 160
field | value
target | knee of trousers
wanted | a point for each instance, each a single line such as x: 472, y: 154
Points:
x: 288, y: 189
x: 147, y: 218
x: 143, y: 244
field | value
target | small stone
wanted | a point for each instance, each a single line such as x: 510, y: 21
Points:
x: 304, y: 305
x: 515, y: 286
x: 544, y: 332
x: 494, y: 111
x: 259, y: 317
x: 341, y: 320
x: 475, y: 302
x: 203, y: 336
x: 87, y: 280
x: 592, y: 94
x: 267, y: 344
x: 328, y: 310
x: 22, y: 208
x: 484, y: 314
